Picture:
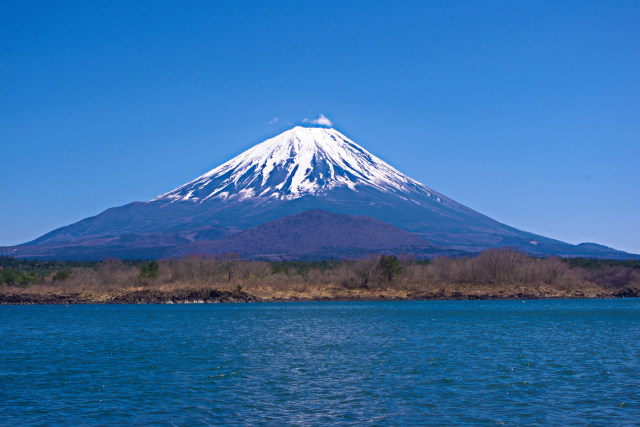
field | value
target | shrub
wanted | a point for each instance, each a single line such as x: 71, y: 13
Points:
x: 16, y: 278
x: 61, y: 275
x: 150, y: 270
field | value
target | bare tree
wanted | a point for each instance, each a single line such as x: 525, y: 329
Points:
x: 229, y: 264
x: 365, y: 269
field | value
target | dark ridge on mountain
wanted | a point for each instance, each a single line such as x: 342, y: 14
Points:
x: 299, y: 170
x: 316, y: 234
x: 126, y: 246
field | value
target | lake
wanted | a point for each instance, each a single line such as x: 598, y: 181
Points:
x: 447, y: 362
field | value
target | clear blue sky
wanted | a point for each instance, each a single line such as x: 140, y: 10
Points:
x: 528, y: 112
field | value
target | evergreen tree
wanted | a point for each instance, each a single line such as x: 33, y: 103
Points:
x: 390, y: 266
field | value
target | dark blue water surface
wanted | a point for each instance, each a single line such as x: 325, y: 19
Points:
x: 451, y: 362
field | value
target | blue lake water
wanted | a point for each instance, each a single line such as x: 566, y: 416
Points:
x: 447, y: 362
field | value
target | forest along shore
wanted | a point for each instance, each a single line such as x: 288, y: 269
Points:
x: 493, y: 274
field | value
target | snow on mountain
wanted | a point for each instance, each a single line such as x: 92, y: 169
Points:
x: 299, y: 162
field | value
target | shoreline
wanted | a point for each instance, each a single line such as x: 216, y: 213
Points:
x: 227, y: 296
x: 492, y: 275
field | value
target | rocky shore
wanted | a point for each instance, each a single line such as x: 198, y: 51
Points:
x: 137, y: 297
x: 238, y: 296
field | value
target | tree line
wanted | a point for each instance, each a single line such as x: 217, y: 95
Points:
x: 491, y: 268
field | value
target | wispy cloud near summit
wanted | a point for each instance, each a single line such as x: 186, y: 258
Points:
x: 322, y: 121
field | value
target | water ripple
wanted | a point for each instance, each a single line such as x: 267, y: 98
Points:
x: 457, y: 362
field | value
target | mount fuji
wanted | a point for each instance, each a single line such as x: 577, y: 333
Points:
x: 307, y: 182
x: 297, y: 163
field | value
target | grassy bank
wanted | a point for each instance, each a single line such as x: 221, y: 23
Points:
x: 493, y: 274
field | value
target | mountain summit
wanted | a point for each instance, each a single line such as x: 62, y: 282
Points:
x: 309, y: 191
x: 299, y: 162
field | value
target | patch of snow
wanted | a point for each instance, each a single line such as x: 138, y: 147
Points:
x: 301, y: 161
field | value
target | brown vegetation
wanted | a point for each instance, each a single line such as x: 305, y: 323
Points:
x: 494, y: 274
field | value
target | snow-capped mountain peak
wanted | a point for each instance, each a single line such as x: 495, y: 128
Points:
x: 299, y: 162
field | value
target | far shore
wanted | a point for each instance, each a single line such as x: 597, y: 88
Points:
x: 496, y: 274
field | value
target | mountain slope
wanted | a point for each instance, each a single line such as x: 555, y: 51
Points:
x: 315, y: 234
x: 299, y: 170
